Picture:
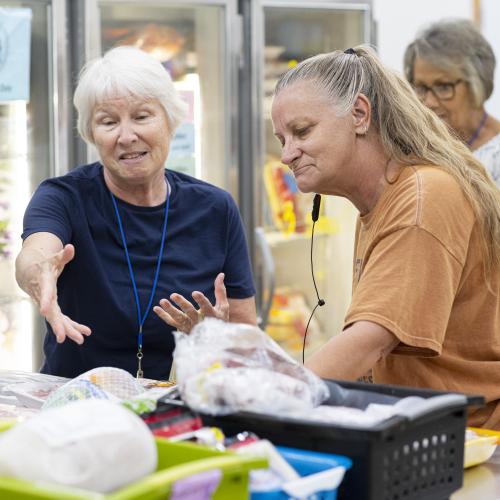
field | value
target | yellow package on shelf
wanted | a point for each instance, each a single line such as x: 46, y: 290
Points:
x: 480, y: 444
x: 176, y: 462
x: 287, y: 204
x: 287, y: 322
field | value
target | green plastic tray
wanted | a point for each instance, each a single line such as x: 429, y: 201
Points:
x: 175, y: 461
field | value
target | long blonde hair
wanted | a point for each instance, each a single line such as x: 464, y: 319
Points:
x: 410, y: 133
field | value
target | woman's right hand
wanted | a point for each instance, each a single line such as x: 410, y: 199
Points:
x: 62, y: 325
x: 37, y: 275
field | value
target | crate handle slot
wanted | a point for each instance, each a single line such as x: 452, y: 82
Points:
x: 432, y: 404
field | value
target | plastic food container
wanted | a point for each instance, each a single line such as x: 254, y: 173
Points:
x: 480, y: 449
x: 184, y: 471
x: 321, y: 474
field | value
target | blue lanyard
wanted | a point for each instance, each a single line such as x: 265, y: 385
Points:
x: 142, y: 318
x: 476, y: 132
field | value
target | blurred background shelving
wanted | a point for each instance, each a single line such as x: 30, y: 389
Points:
x: 224, y: 57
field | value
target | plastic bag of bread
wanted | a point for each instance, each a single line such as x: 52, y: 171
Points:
x: 93, y: 444
x: 227, y: 367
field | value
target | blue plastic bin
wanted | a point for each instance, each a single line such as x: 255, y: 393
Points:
x: 321, y: 474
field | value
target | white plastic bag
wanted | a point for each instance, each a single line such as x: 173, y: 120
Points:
x: 227, y: 367
x: 94, y: 444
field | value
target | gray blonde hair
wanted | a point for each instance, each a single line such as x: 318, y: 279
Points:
x: 409, y: 132
x: 456, y: 46
x: 125, y: 71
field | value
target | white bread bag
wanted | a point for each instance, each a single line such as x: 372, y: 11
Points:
x: 91, y: 444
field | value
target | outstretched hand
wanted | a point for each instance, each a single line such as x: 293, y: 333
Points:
x: 43, y: 289
x: 185, y: 316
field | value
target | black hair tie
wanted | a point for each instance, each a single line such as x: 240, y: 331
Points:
x: 350, y: 51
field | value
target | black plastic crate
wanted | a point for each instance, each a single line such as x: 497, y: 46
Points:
x: 418, y: 456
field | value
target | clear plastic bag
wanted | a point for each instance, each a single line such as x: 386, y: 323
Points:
x: 105, y: 382
x: 226, y: 367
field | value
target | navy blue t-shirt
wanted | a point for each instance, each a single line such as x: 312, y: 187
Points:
x: 204, y: 237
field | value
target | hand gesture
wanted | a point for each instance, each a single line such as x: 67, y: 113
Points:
x: 42, y: 287
x: 185, y: 316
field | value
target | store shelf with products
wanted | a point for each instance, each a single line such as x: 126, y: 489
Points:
x: 291, y: 35
x: 288, y: 232
x: 276, y: 238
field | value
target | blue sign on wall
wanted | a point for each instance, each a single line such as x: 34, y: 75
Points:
x: 15, y: 39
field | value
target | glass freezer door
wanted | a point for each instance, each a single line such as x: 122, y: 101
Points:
x: 288, y: 32
x: 32, y: 101
x: 193, y: 40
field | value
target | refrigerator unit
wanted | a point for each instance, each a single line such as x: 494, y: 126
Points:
x: 224, y: 57
x: 34, y: 146
x: 199, y: 44
x: 281, y: 33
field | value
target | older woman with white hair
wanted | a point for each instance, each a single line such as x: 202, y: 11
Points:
x: 106, y: 241
x: 451, y: 67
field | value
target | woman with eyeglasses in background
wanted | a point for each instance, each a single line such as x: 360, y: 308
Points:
x: 451, y: 67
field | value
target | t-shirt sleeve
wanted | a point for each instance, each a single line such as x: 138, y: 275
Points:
x: 237, y: 268
x: 408, y: 286
x: 47, y: 211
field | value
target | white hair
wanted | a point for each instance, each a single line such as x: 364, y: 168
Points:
x: 125, y: 71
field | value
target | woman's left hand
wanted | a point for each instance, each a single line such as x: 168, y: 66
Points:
x: 185, y: 316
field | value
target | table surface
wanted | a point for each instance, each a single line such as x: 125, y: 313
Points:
x: 481, y: 482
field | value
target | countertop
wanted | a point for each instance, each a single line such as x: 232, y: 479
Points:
x: 481, y: 482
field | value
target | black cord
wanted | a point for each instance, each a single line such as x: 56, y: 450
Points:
x: 305, y: 333
x: 321, y: 302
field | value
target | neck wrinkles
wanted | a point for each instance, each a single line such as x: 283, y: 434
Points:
x: 372, y: 180
x: 149, y: 194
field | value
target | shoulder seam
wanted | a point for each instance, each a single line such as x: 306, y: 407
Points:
x: 418, y: 213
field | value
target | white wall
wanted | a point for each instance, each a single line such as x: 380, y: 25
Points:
x: 490, y: 27
x: 398, y: 21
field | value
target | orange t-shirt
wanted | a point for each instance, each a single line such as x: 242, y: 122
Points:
x: 418, y: 272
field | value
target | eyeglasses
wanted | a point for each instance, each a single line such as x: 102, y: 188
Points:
x: 444, y: 91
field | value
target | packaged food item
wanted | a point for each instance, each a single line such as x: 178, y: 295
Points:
x: 288, y: 319
x: 169, y: 420
x: 10, y: 412
x: 73, y: 445
x: 105, y: 382
x: 227, y: 367
x: 33, y: 394
x: 286, y: 202
x: 480, y: 444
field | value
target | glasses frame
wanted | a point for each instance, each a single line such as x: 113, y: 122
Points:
x: 432, y: 89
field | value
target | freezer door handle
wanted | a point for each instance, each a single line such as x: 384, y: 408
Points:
x: 267, y: 277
